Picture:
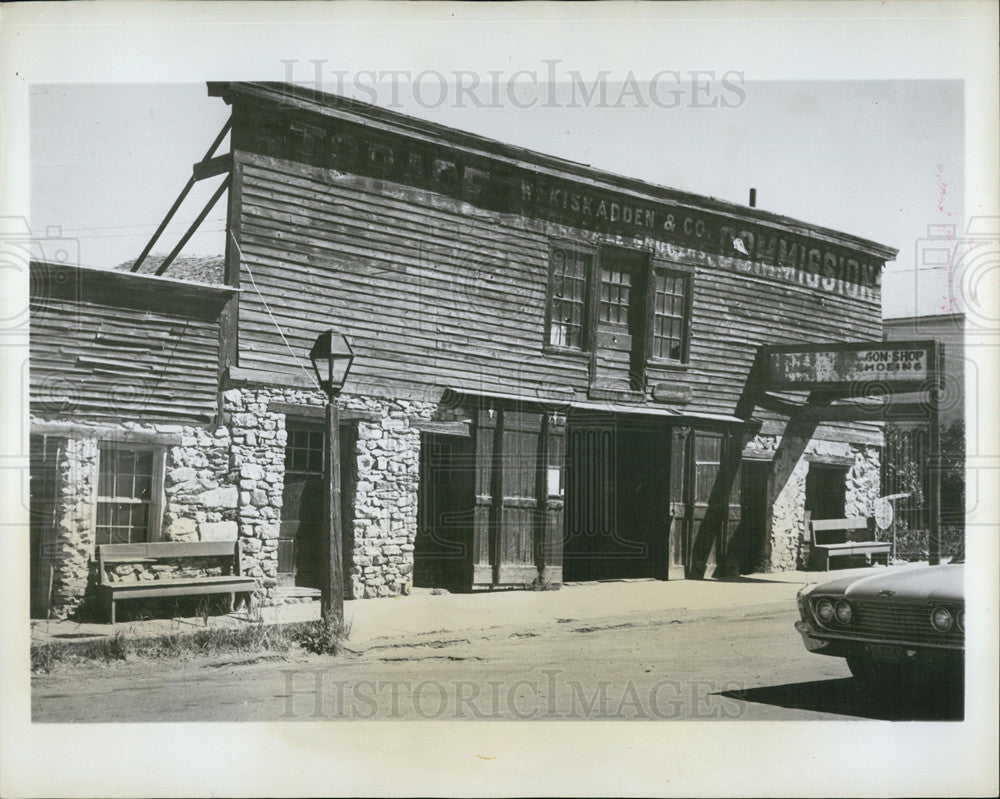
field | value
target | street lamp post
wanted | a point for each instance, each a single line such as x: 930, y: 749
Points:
x: 331, y: 357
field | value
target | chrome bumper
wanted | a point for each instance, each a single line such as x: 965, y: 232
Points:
x: 811, y: 639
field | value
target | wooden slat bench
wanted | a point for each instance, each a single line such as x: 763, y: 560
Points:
x: 232, y: 583
x: 841, y: 538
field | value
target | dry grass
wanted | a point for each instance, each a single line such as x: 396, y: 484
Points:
x: 318, y: 637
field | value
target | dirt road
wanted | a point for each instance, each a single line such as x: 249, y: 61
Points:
x: 709, y: 664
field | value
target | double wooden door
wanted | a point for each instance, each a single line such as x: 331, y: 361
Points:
x: 518, y: 503
x: 696, y: 458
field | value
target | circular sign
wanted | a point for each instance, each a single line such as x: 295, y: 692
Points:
x: 883, y: 513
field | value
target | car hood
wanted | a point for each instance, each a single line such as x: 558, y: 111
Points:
x: 929, y: 583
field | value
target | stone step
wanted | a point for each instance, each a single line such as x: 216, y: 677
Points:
x: 297, y: 593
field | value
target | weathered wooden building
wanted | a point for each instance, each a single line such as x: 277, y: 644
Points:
x: 551, y: 368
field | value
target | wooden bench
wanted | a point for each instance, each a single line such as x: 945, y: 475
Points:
x: 842, y: 538
x: 232, y: 583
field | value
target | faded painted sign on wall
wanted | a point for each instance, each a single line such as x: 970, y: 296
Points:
x: 905, y: 363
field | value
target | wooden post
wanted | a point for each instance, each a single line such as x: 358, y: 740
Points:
x: 934, y: 462
x: 333, y: 584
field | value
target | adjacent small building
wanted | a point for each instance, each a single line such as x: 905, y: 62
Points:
x: 550, y: 380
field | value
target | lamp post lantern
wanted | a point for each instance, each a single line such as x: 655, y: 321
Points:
x: 331, y: 357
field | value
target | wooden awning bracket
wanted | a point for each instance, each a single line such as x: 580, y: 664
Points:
x: 184, y: 193
x: 194, y: 226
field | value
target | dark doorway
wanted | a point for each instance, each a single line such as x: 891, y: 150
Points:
x: 756, y: 485
x: 299, y: 543
x: 445, y: 501
x: 617, y: 502
x: 826, y: 487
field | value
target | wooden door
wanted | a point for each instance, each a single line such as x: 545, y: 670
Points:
x: 300, y: 553
x: 590, y: 498
x: 680, y: 504
x: 519, y: 489
x: 707, y: 457
x: 515, y: 515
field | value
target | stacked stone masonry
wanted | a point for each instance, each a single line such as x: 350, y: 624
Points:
x: 791, y: 457
x: 227, y: 482
x: 199, y: 503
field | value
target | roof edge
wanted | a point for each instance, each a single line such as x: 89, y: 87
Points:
x: 349, y: 109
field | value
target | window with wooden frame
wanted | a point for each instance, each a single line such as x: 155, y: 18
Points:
x: 616, y: 290
x: 304, y: 449
x: 567, y: 317
x: 129, y: 493
x: 671, y: 315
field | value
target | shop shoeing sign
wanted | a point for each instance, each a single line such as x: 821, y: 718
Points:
x: 898, y: 364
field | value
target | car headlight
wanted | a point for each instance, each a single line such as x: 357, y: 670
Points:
x: 824, y: 610
x: 843, y: 611
x: 941, y: 619
x: 961, y: 619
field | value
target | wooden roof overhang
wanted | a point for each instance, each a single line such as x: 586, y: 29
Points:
x: 560, y: 402
x: 290, y: 98
x: 67, y: 282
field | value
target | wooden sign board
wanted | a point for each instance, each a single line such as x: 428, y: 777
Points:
x: 897, y: 364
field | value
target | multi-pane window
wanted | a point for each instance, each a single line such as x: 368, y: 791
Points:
x: 616, y: 286
x: 569, y: 271
x: 671, y: 309
x: 127, y: 493
x: 707, y: 458
x: 304, y: 450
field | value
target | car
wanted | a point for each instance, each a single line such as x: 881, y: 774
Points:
x: 904, y: 626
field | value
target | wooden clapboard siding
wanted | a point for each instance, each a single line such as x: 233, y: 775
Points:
x: 399, y: 277
x: 416, y: 313
x: 435, y: 286
x: 107, y: 345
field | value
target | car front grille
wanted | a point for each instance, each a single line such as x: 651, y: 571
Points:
x: 897, y: 621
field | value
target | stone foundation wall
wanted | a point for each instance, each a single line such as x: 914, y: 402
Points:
x: 386, y: 461
x: 380, y: 492
x: 257, y: 456
x: 74, y: 528
x: 168, y: 569
x: 227, y: 482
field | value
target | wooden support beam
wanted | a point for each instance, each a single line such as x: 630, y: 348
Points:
x: 778, y: 405
x: 859, y: 413
x: 444, y: 428
x: 194, y: 226
x: 212, y: 166
x: 180, y: 199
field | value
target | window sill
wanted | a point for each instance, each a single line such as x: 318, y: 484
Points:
x: 673, y: 366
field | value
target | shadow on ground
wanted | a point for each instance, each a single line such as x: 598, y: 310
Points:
x: 850, y: 697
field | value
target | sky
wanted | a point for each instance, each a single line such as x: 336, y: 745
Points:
x: 878, y: 159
